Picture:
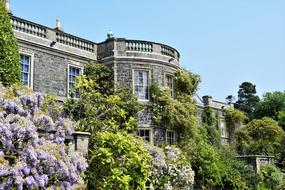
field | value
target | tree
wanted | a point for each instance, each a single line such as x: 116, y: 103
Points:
x: 102, y: 75
x: 281, y: 118
x: 117, y: 159
x: 230, y: 99
x: 247, y: 100
x: 271, y: 104
x: 99, y: 107
x: 29, y: 159
x: 206, y: 164
x: 262, y: 136
x: 10, y: 67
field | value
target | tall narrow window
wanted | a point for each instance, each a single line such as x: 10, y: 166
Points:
x: 223, y: 129
x: 141, y: 84
x: 144, y: 133
x: 26, y: 70
x: 170, y: 137
x: 169, y: 83
x: 73, y: 73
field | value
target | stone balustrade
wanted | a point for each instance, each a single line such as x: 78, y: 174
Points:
x: 145, y: 46
x: 138, y: 46
x: 165, y: 50
x: 73, y: 41
x: 50, y: 34
x: 28, y: 27
x: 121, y: 48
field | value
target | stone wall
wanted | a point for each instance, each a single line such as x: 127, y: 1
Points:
x: 50, y: 70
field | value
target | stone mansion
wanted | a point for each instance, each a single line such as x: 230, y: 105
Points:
x: 51, y: 59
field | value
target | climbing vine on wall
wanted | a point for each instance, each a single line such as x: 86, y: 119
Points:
x: 210, y: 128
x: 178, y: 112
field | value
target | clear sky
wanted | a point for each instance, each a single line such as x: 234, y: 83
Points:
x: 226, y: 42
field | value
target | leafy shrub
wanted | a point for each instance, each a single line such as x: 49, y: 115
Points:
x: 261, y: 136
x: 118, y: 161
x: 270, y: 178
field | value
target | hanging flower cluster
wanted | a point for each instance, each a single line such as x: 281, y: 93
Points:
x: 171, y: 168
x: 29, y: 159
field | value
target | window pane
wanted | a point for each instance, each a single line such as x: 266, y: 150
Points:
x: 73, y: 73
x: 144, y: 133
x: 170, y: 137
x: 25, y: 63
x: 141, y: 84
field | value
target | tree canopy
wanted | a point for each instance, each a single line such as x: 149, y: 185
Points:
x: 10, y: 67
x: 247, y: 99
x: 261, y: 137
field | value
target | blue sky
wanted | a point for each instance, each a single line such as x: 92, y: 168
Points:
x: 226, y: 42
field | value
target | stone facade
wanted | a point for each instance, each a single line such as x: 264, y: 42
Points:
x: 53, y: 52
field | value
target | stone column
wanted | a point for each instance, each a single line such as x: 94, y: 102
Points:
x: 81, y: 141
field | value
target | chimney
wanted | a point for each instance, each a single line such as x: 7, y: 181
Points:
x: 207, y: 100
x: 6, y: 4
x: 58, y: 25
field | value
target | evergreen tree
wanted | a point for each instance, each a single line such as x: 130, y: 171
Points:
x: 247, y: 99
x: 10, y: 67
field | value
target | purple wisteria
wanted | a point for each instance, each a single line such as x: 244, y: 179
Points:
x: 33, y: 160
x: 170, y: 168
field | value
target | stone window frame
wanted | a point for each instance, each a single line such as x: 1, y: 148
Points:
x: 149, y: 82
x: 166, y: 137
x: 223, y: 128
x: 165, y: 82
x: 31, y: 67
x: 68, y: 70
x: 146, y: 129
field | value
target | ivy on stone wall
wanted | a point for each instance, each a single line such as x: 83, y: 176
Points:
x: 10, y: 67
x: 210, y: 128
x: 178, y: 112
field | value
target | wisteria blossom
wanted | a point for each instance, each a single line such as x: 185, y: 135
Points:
x: 171, y: 168
x: 33, y: 160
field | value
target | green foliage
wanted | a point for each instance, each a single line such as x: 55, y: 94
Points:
x: 270, y: 178
x: 210, y: 129
x: 281, y: 160
x: 10, y: 67
x: 211, y: 135
x: 185, y: 82
x: 96, y: 111
x: 234, y: 116
x: 270, y: 105
x: 177, y: 113
x: 247, y: 99
x: 206, y: 164
x: 281, y: 118
x: 209, y: 117
x: 102, y: 75
x: 169, y: 113
x: 233, y: 171
x: 118, y: 161
x: 261, y: 136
